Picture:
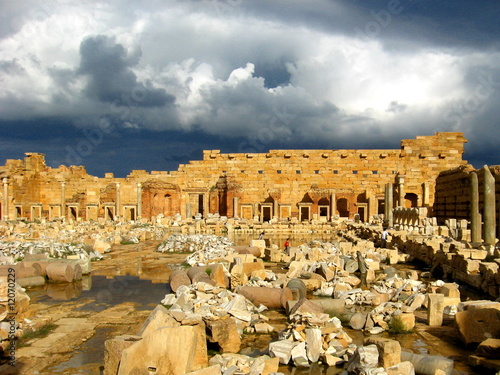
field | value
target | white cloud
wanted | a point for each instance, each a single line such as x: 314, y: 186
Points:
x: 216, y: 63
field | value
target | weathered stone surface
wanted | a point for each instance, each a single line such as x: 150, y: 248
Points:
x: 281, y: 349
x: 299, y: 355
x: 365, y: 357
x: 489, y: 348
x: 389, y: 350
x: 212, y: 370
x: 403, y: 368
x: 113, y: 350
x: 178, y: 278
x: 477, y: 325
x: 435, y: 309
x: 225, y: 333
x: 313, y: 344
x: 166, y: 351
x: 428, y: 364
x: 357, y: 321
x: 158, y: 318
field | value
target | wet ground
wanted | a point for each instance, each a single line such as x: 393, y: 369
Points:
x: 129, y: 283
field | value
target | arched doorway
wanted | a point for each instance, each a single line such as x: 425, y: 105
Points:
x: 411, y: 200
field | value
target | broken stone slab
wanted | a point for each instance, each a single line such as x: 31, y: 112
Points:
x: 364, y: 358
x: 282, y: 350
x: 158, y: 318
x: 314, y: 344
x: 489, y: 348
x: 168, y: 350
x: 299, y: 355
x: 273, y: 298
x: 225, y: 333
x: 435, y: 309
x: 402, y: 368
x: 113, y: 350
x: 476, y: 325
x: 428, y: 364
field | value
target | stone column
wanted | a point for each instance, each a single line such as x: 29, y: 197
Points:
x: 401, y: 190
x: 276, y: 209
x: 63, y: 199
x: 389, y: 204
x: 206, y: 197
x: 333, y: 203
x: 118, y: 202
x: 235, y: 207
x: 188, y: 206
x: 425, y: 195
x: 139, y: 201
x: 489, y: 207
x: 5, y: 212
x: 475, y: 216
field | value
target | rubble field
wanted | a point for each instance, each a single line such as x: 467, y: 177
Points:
x: 345, y: 306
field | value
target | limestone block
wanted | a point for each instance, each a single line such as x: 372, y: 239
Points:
x: 313, y: 344
x: 299, y: 355
x: 389, y: 350
x: 402, y: 368
x: 113, y: 350
x: 225, y: 333
x: 365, y: 357
x: 477, y: 325
x: 435, y: 309
x: 489, y: 348
x: 177, y: 350
x: 282, y: 350
x: 158, y: 318
x: 212, y: 370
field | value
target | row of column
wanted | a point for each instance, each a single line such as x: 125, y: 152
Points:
x: 488, y: 233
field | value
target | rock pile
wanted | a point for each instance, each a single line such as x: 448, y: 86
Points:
x: 311, y: 338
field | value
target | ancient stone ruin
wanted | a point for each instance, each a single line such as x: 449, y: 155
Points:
x: 325, y: 305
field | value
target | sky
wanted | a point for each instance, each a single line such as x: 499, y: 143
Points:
x: 123, y: 85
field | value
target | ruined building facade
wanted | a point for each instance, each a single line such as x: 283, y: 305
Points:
x: 280, y: 184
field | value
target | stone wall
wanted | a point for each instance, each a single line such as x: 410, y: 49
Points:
x: 280, y: 184
x: 453, y: 193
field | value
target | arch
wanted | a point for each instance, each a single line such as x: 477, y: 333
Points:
x: 306, y: 199
x: 411, y: 200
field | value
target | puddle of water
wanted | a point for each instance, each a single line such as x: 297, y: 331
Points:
x: 90, y: 353
x: 103, y: 293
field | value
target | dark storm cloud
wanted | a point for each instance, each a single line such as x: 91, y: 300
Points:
x: 111, y: 80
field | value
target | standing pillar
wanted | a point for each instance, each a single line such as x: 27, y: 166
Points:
x: 475, y: 216
x: 235, y: 207
x: 139, y: 201
x: 275, y: 208
x: 118, y: 202
x: 425, y: 195
x: 206, y: 197
x: 188, y: 206
x: 333, y: 202
x: 401, y: 190
x: 389, y: 204
x: 5, y: 212
x: 489, y: 207
x: 63, y: 199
